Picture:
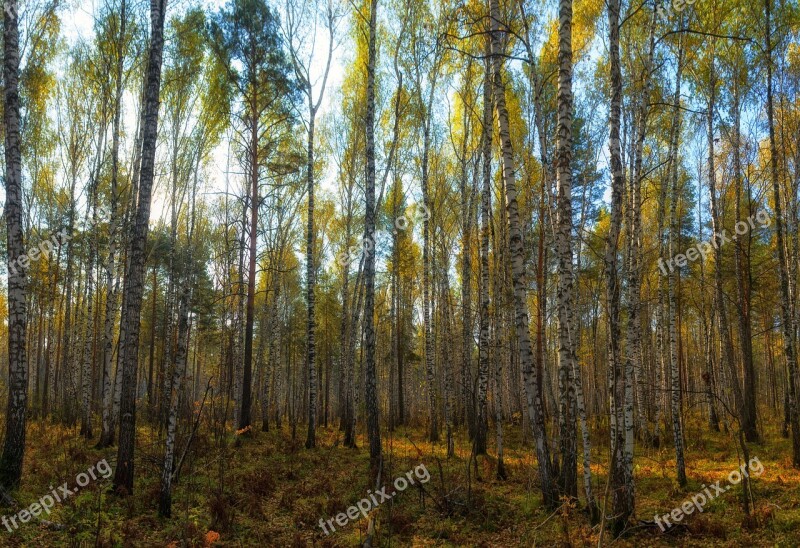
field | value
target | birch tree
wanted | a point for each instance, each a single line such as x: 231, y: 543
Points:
x: 134, y: 271
x: 14, y: 446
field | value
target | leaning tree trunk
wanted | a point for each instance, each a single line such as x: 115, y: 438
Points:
x: 132, y: 291
x: 14, y: 447
x: 532, y: 387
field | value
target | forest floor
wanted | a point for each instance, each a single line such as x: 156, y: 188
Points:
x: 265, y: 489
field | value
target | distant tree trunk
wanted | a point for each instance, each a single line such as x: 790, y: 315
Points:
x: 742, y: 268
x: 66, y: 369
x: 433, y: 433
x: 371, y: 389
x: 483, y: 351
x: 247, y: 370
x: 353, y: 333
x: 178, y: 369
x: 716, y: 228
x: 447, y: 361
x: 14, y: 447
x: 270, y: 320
x: 345, y: 324
x: 707, y: 332
x: 467, y: 209
x: 535, y: 410
x: 132, y: 292
x: 674, y: 238
x: 311, y: 440
x: 151, y: 390
x: 394, y: 415
x: 86, y: 380
x: 275, y: 358
x: 107, y: 431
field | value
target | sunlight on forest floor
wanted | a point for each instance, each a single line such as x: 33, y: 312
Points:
x: 267, y: 490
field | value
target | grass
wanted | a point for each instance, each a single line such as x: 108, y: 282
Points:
x: 265, y: 489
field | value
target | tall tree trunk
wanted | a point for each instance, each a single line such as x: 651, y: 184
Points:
x: 132, y: 291
x: 621, y: 484
x: 311, y: 440
x: 674, y: 238
x: 14, y: 446
x: 371, y: 389
x: 106, y: 429
x: 749, y: 416
x: 447, y: 320
x: 716, y: 228
x: 532, y: 385
x: 786, y: 314
x: 481, y: 425
x: 433, y: 434
x: 178, y: 370
x: 245, y: 406
x: 567, y: 355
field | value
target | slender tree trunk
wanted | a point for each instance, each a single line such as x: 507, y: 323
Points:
x: 674, y: 236
x: 716, y: 228
x: 535, y: 410
x: 621, y: 484
x: 567, y: 355
x: 311, y: 440
x: 107, y: 431
x: 433, y: 434
x: 742, y: 266
x: 132, y: 293
x: 481, y: 425
x: 178, y: 369
x: 245, y: 407
x: 371, y: 395
x: 447, y: 320
x: 786, y: 314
